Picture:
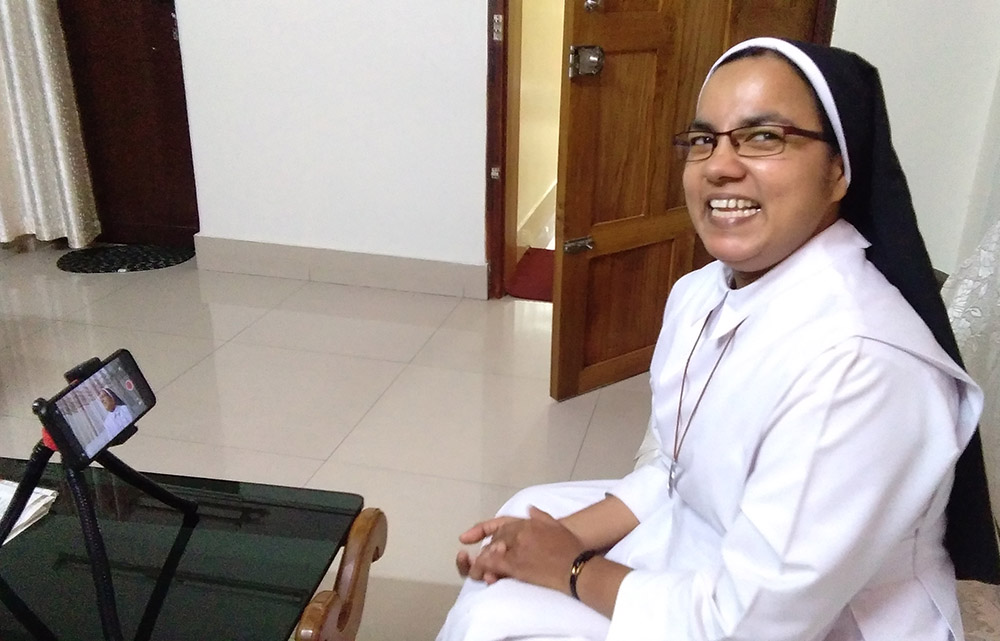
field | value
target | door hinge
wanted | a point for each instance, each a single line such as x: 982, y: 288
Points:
x: 585, y: 60
x: 497, y: 27
x: 495, y: 173
x: 578, y: 245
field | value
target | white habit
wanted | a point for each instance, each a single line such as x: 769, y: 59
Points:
x: 809, y: 504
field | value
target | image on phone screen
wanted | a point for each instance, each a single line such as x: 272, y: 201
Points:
x: 107, y: 402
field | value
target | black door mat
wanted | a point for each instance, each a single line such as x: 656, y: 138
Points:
x: 123, y: 258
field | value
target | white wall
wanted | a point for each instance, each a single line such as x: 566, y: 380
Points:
x: 355, y: 125
x: 940, y: 63
x: 985, y: 207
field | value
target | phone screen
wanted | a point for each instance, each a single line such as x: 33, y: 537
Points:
x: 99, y: 408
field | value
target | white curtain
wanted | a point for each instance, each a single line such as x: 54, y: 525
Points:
x: 973, y: 297
x: 45, y: 186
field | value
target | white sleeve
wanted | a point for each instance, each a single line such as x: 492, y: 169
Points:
x: 643, y: 489
x: 853, y: 454
x: 651, y: 443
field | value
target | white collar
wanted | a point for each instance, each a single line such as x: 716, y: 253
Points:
x: 840, y: 243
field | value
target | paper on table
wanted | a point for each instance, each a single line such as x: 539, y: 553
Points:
x: 37, y: 507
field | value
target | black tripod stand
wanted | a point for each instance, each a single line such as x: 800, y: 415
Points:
x: 100, y: 567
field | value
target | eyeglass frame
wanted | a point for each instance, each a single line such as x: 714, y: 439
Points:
x: 683, y: 147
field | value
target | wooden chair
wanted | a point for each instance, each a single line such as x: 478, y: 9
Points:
x: 335, y: 615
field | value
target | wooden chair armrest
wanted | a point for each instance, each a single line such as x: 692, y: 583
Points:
x: 335, y: 615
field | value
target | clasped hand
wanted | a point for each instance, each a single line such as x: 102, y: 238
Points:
x: 538, y: 550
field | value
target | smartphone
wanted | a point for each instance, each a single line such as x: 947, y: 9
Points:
x: 89, y: 414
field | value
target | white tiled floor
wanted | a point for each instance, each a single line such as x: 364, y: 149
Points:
x: 435, y: 409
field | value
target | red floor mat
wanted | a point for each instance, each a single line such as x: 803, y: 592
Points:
x: 533, y: 275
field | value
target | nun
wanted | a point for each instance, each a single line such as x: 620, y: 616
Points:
x: 813, y: 469
x: 118, y: 416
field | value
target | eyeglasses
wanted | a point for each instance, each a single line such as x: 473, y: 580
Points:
x: 750, y: 142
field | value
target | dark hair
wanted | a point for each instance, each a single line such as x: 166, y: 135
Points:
x: 759, y: 52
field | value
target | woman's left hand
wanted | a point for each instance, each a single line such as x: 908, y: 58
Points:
x: 538, y: 550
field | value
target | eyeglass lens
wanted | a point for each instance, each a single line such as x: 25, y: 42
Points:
x: 747, y: 141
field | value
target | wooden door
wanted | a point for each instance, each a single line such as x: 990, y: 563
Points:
x: 126, y: 66
x: 619, y: 184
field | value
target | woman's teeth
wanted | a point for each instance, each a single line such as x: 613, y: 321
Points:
x: 733, y: 207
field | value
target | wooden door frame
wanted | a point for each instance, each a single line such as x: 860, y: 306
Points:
x: 502, y: 128
x: 503, y: 110
x: 496, y: 148
x: 823, y: 29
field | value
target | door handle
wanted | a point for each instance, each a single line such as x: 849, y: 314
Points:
x: 593, y: 5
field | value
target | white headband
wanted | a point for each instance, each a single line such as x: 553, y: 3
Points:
x: 812, y: 72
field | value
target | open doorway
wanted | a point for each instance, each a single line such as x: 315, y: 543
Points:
x: 537, y: 63
x: 530, y: 61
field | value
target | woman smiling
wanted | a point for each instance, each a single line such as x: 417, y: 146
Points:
x: 808, y: 411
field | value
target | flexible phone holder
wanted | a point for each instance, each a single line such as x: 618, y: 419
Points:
x: 92, y: 538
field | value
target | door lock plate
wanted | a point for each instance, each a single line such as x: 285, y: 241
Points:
x: 578, y: 245
x: 585, y: 60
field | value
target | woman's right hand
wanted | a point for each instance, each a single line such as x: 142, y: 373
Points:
x: 598, y: 527
x: 465, y: 563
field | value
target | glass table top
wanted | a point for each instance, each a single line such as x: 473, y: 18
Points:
x: 245, y: 570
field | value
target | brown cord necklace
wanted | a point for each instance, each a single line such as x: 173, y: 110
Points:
x: 678, y: 435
